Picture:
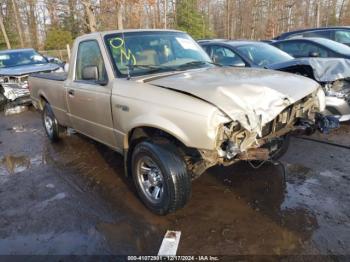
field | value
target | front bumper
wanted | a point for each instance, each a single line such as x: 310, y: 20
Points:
x: 15, y: 91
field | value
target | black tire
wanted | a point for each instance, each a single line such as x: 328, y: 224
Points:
x: 48, y: 116
x: 2, y: 97
x: 282, y: 148
x: 176, y: 183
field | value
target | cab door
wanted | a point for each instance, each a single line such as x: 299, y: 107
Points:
x: 89, y: 95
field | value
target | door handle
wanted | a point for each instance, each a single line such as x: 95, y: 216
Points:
x: 71, y: 92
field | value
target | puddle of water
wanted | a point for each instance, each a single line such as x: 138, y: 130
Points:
x: 127, y: 237
x: 236, y: 210
x: 53, y: 243
x: 298, y: 174
x: 22, y: 129
x: 15, y: 110
x: 46, y: 202
x: 11, y: 165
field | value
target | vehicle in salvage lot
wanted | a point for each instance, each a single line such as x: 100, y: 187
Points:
x: 333, y: 74
x: 155, y: 97
x: 15, y: 67
x: 339, y: 34
x: 313, y: 47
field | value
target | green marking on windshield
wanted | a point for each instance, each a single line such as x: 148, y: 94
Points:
x: 126, y: 55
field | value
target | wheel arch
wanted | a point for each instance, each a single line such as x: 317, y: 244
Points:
x: 144, y: 132
x: 42, y: 101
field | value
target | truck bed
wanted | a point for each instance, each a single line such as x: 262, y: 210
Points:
x: 52, y: 76
x: 49, y: 87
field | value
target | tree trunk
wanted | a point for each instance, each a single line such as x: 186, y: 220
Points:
x: 165, y: 13
x: 119, y: 4
x: 4, y: 33
x: 51, y: 7
x: 33, y: 29
x: 341, y: 11
x: 18, y: 25
x: 317, y: 24
x: 89, y: 10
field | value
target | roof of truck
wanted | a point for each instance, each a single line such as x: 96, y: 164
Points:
x: 103, y: 33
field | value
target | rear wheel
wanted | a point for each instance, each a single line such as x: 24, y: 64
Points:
x: 160, y: 177
x: 50, y: 123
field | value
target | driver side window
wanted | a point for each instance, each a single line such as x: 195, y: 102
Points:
x: 89, y: 54
x: 225, y: 56
x: 309, y: 48
x: 342, y: 36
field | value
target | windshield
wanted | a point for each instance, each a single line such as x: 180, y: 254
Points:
x: 150, y: 52
x: 20, y: 58
x: 263, y: 54
x: 334, y: 46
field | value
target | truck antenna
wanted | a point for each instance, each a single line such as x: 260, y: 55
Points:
x: 128, y: 68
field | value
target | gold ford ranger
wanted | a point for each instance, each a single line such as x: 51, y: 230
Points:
x: 156, y: 97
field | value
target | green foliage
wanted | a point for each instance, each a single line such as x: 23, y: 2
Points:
x: 189, y: 19
x: 57, y: 39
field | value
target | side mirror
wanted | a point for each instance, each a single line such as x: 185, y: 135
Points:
x: 314, y: 54
x: 238, y: 64
x: 90, y: 73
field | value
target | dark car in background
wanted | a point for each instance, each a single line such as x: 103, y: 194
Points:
x: 331, y: 73
x: 339, y: 34
x: 313, y: 47
x: 15, y: 67
x: 243, y: 53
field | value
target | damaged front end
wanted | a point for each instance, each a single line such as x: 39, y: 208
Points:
x: 338, y: 99
x: 333, y: 74
x: 15, y: 87
x: 234, y: 143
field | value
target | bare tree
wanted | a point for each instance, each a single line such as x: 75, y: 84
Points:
x: 89, y: 10
x: 32, y: 23
x: 18, y: 22
x: 3, y: 30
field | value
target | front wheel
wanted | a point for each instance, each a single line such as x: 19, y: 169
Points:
x: 160, y: 177
x: 280, y: 147
x: 50, y: 123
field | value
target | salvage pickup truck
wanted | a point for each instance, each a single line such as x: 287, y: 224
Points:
x: 157, y: 98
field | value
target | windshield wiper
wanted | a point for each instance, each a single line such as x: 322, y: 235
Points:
x: 152, y: 68
x: 143, y: 66
x: 196, y: 63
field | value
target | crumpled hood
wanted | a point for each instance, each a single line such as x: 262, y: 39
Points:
x: 252, y: 97
x: 27, y: 69
x: 324, y: 69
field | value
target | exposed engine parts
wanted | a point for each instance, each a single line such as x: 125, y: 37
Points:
x: 14, y: 87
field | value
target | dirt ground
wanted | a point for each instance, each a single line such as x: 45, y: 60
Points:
x: 72, y: 198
